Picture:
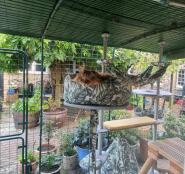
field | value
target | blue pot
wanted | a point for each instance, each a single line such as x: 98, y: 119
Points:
x: 11, y: 91
x: 82, y: 152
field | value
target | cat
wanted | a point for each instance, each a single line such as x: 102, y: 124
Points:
x: 90, y: 78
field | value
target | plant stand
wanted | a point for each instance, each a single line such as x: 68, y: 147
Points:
x: 97, y: 157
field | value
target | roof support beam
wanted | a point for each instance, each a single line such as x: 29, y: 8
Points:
x: 51, y: 16
x: 154, y: 32
x: 92, y: 11
x: 175, y: 54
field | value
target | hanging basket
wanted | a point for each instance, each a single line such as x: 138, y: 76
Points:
x: 107, y: 93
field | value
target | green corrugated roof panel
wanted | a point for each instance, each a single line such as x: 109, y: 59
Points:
x: 134, y: 24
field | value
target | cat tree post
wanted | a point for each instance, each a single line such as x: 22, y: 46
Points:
x: 100, y: 113
x: 161, y: 44
x: 105, y: 37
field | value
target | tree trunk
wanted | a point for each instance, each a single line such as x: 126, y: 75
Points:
x: 57, y: 72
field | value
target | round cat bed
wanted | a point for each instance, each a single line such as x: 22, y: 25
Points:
x: 107, y: 93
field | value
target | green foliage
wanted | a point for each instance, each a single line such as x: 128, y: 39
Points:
x: 174, y: 126
x: 170, y: 125
x: 53, y: 50
x: 136, y: 101
x: 33, y: 103
x: 32, y: 157
x: 124, y: 59
x: 116, y: 115
x: 50, y: 105
x: 130, y: 135
x: 62, y: 51
x: 48, y: 129
x: 50, y: 160
x: 81, y: 133
x: 12, y: 63
x: 175, y: 65
x: 66, y: 144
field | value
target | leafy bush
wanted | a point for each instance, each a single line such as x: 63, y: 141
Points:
x: 32, y: 157
x: 174, y: 126
x: 81, y: 133
x: 136, y: 101
x: 48, y: 129
x: 66, y: 144
x: 117, y: 115
x: 50, y: 105
x: 171, y: 125
x: 33, y: 103
x: 130, y: 135
x: 50, y: 160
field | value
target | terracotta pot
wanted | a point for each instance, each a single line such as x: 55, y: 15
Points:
x: 130, y: 107
x: 32, y: 167
x: 55, y: 171
x: 33, y: 119
x: 70, y: 162
x: 58, y: 117
x: 46, y: 150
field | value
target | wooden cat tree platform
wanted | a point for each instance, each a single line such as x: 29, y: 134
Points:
x: 134, y: 122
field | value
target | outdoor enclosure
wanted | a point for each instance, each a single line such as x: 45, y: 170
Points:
x: 72, y: 102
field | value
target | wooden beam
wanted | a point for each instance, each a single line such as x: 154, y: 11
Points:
x: 147, y: 166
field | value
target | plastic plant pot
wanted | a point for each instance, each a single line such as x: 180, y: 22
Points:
x: 82, y: 152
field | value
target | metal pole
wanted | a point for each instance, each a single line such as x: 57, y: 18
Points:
x: 158, y: 92
x: 41, y: 102
x: 100, y: 114
x: 171, y: 90
x: 26, y: 131
x: 100, y: 135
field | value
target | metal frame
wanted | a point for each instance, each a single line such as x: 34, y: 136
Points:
x: 22, y: 146
x: 85, y: 9
x: 154, y: 32
x: 25, y: 107
x: 41, y: 104
x: 51, y: 16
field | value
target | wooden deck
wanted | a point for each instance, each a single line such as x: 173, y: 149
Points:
x: 172, y: 149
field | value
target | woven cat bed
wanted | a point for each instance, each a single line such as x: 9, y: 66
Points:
x: 108, y: 93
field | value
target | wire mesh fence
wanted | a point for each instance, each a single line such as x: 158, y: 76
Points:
x: 12, y: 90
x: 66, y: 119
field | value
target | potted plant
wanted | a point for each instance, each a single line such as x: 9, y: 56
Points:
x: 32, y: 162
x: 50, y: 164
x: 33, y: 111
x: 69, y: 153
x: 47, y: 147
x: 53, y: 113
x: 81, y: 138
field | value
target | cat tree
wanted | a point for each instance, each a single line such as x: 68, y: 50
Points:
x: 110, y: 92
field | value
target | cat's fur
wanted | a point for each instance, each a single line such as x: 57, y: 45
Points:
x: 90, y: 78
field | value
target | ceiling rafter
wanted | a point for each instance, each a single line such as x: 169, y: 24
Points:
x: 85, y: 9
x: 154, y: 32
x: 51, y: 16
